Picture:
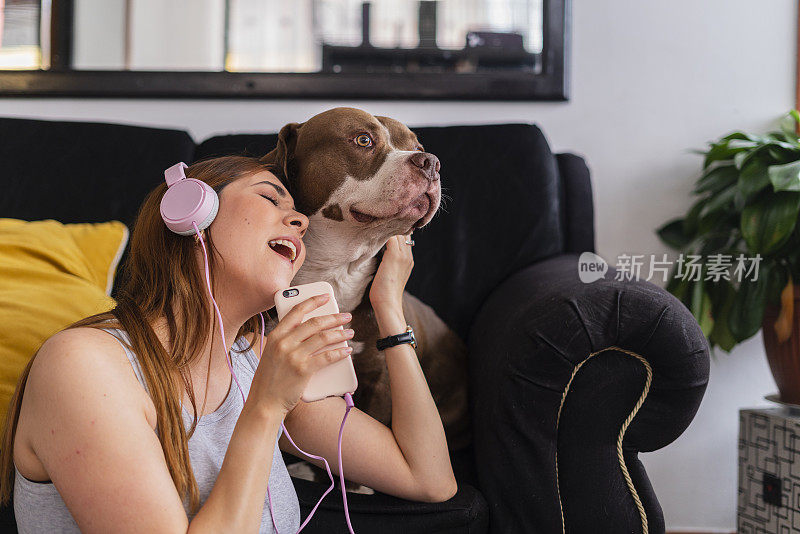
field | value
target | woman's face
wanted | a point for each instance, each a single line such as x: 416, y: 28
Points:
x: 254, y: 212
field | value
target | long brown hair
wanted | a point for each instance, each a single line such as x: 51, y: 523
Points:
x: 160, y: 272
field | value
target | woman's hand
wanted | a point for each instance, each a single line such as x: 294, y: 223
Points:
x: 289, y: 358
x: 387, y: 288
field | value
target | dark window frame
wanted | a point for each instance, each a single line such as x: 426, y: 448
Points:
x: 552, y: 84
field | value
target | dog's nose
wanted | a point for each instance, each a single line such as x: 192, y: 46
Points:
x: 429, y: 164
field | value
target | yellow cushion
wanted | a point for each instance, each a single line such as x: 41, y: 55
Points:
x: 51, y: 275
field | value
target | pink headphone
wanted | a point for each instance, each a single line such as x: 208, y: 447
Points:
x: 187, y: 201
x: 188, y: 207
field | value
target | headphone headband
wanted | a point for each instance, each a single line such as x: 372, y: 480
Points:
x: 175, y: 173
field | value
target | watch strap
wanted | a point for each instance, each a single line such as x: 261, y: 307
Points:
x: 397, y: 339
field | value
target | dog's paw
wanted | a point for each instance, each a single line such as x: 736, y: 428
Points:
x: 308, y: 471
x: 353, y: 487
x: 312, y: 473
x: 301, y: 469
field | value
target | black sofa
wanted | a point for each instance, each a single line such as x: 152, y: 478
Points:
x: 560, y: 370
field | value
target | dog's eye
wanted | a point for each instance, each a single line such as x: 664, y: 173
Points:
x: 364, y: 140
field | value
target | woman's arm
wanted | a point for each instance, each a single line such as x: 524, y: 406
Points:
x: 91, y: 432
x: 411, y: 460
x: 415, y: 419
x: 372, y: 453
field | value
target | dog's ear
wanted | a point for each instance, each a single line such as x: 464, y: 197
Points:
x: 283, y: 154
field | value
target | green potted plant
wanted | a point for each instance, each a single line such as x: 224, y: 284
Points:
x: 747, y: 205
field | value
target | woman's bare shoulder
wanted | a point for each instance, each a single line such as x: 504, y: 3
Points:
x: 91, y: 436
x: 79, y: 356
x: 77, y: 346
x: 81, y: 333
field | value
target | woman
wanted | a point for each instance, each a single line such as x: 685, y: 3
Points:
x: 87, y: 447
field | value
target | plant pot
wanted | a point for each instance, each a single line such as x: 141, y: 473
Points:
x: 784, y: 357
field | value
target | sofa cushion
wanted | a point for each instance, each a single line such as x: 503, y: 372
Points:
x: 83, y: 171
x: 500, y: 211
x: 51, y: 275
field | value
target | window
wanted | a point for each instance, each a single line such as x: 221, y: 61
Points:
x: 464, y: 49
x: 19, y: 34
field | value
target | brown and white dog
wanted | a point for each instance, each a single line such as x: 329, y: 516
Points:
x: 361, y: 179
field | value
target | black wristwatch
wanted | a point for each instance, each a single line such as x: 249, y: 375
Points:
x: 397, y: 339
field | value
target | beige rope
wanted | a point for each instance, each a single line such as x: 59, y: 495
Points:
x: 619, y: 438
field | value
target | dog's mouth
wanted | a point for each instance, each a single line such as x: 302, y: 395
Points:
x: 362, y: 217
x: 422, y: 203
x: 418, y: 207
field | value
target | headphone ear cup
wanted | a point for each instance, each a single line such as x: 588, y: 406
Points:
x: 212, y: 214
x: 189, y: 201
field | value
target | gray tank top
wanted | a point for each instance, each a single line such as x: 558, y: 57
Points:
x: 38, y: 507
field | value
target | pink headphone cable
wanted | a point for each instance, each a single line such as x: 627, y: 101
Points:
x: 347, y: 397
x: 216, y: 308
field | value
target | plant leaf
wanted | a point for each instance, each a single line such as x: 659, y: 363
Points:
x: 721, y: 150
x: 690, y: 223
x: 785, y: 177
x: 672, y: 234
x: 741, y: 157
x: 753, y: 177
x: 747, y: 310
x: 721, y: 333
x: 768, y: 223
x: 714, y: 243
x: 716, y: 179
x: 679, y: 286
x: 744, y: 136
x: 778, y: 278
x: 701, y: 307
x: 781, y: 155
x: 717, y: 205
x: 789, y: 124
x: 735, y: 144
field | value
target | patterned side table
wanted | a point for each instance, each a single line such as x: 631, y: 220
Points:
x: 769, y: 470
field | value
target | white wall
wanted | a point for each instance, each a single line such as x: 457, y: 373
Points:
x: 651, y: 80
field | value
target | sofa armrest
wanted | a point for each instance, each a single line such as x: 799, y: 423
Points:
x: 464, y: 513
x: 569, y: 381
x: 577, y: 203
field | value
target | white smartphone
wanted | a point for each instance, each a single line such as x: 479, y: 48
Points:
x: 337, y: 378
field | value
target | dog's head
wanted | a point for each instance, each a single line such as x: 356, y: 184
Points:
x: 360, y: 174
